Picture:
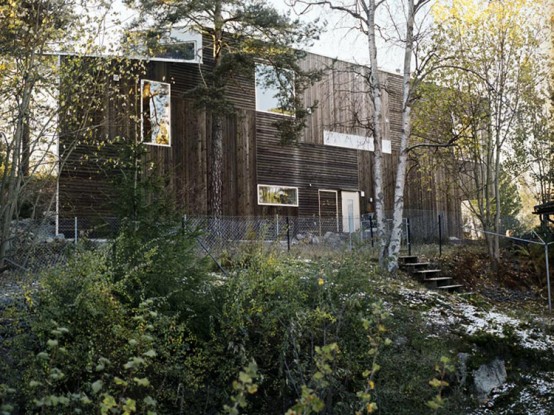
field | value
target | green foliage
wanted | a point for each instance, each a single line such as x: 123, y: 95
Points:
x: 244, y: 386
x: 402, y: 386
x: 6, y: 408
x: 147, y: 263
x: 439, y: 384
x: 100, y: 337
x: 293, y: 317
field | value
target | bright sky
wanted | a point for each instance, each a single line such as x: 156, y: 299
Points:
x: 338, y: 41
x: 341, y: 41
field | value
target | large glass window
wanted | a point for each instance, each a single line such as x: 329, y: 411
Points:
x: 179, y: 45
x: 155, y: 112
x: 274, y: 195
x: 182, y: 51
x: 274, y: 90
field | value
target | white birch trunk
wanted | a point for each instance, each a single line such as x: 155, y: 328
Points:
x: 398, y: 212
x: 376, y: 93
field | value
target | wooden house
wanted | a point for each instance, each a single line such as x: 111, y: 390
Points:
x: 326, y: 174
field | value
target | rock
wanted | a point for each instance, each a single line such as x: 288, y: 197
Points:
x: 489, y: 377
x: 332, y: 239
x: 314, y: 240
x: 454, y: 240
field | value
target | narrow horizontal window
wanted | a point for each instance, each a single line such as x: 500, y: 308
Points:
x: 179, y: 45
x: 177, y: 52
x: 356, y: 142
x: 273, y: 195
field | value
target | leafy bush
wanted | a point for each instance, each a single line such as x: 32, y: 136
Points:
x: 140, y: 327
x: 279, y: 312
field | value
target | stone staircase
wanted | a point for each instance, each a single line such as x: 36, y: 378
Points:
x: 426, y: 274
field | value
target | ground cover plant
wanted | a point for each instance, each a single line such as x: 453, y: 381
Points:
x: 144, y: 326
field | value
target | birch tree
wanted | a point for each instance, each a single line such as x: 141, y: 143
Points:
x: 240, y: 34
x: 495, y: 50
x: 31, y: 32
x: 363, y: 14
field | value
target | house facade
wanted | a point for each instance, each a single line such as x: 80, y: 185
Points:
x: 327, y: 173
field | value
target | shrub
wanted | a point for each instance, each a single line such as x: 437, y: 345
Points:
x: 280, y: 312
x: 102, y: 336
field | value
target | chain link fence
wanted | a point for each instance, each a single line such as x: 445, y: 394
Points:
x: 33, y: 245
x: 36, y: 244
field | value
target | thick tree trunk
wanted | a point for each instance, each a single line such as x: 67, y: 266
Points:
x: 215, y: 196
x: 376, y: 94
x: 216, y: 167
x: 396, y: 234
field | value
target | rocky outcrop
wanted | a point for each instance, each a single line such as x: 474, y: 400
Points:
x: 488, y: 377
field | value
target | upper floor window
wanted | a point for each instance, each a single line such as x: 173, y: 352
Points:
x: 155, y: 112
x: 274, y: 90
x: 353, y: 141
x: 177, y: 46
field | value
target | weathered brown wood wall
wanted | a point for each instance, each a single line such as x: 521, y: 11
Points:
x: 252, y: 149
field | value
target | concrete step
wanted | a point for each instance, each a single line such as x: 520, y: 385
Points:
x: 407, y: 259
x: 438, y: 279
x: 436, y: 282
x: 415, y: 266
x: 452, y: 287
x: 426, y: 275
x: 427, y: 271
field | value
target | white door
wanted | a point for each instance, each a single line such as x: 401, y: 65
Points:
x: 350, y: 211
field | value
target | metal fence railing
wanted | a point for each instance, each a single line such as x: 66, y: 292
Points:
x: 36, y: 244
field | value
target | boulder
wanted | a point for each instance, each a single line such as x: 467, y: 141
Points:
x: 489, y: 377
x: 314, y: 240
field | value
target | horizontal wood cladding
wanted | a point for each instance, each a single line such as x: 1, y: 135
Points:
x: 185, y: 78
x: 252, y: 150
x: 185, y: 165
x: 307, y: 166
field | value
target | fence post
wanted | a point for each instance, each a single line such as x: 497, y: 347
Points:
x: 440, y: 235
x: 408, y: 237
x: 76, y: 230
x: 371, y: 230
x: 547, y: 275
x: 288, y: 234
x: 277, y: 227
x: 547, y: 263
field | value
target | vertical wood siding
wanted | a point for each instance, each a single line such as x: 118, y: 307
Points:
x: 252, y: 151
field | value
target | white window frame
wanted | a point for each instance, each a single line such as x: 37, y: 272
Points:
x: 148, y: 142
x: 176, y: 37
x: 353, y: 141
x: 261, y: 203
